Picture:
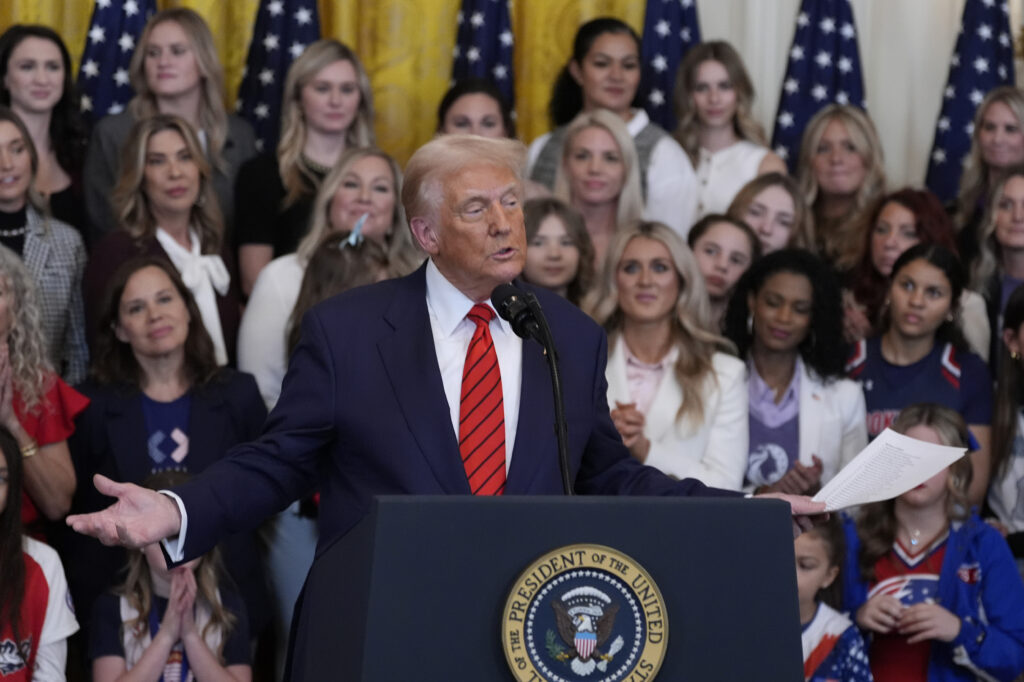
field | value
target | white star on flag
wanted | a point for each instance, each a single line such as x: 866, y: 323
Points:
x: 659, y: 63
x: 270, y: 42
x: 506, y: 38
x: 939, y: 156
x: 296, y: 50
x: 988, y: 3
x: 823, y: 60
x: 91, y: 69
x: 303, y: 16
x: 950, y: 92
x: 797, y: 53
x: 86, y: 104
x: 955, y: 60
x: 819, y: 92
x: 686, y: 4
x: 121, y: 77
x: 131, y: 8
x: 969, y: 129
x: 97, y: 34
x: 842, y: 98
x: 266, y: 76
x: 684, y: 33
x: 791, y: 86
x: 261, y: 110
x: 782, y: 152
x: 115, y: 108
x: 847, y: 31
x: 981, y: 65
x: 1001, y: 71
x: 657, y: 97
x: 1004, y: 40
x: 827, y: 25
x: 845, y: 64
x: 985, y: 32
x: 499, y: 71
x: 126, y: 42
x: 456, y: 51
x: 976, y: 97
x: 459, y: 18
x: 473, y: 54
x: 103, y: 4
x: 662, y: 28
x: 477, y: 19
x: 785, y: 119
x: 276, y: 8
x: 944, y: 123
x: 802, y: 20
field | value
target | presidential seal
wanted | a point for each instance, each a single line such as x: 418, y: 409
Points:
x: 584, y: 613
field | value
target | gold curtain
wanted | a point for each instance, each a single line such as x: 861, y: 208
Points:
x: 406, y: 46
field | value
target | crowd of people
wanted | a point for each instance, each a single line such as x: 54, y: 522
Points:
x: 761, y: 329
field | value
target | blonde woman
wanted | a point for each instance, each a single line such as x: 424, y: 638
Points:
x: 997, y: 144
x: 365, y: 181
x: 604, y: 73
x: 166, y: 208
x: 678, y: 398
x: 725, y: 143
x: 327, y: 108
x: 774, y: 207
x: 840, y: 172
x: 174, y: 70
x: 599, y: 176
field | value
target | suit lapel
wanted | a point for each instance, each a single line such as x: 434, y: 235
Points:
x: 536, y: 422
x: 812, y: 413
x: 410, y: 362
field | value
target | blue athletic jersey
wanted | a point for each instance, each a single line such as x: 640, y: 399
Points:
x: 954, y: 378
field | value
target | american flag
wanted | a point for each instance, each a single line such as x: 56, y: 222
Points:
x: 824, y: 68
x: 103, y: 76
x: 283, y: 30
x: 982, y: 60
x: 483, y: 45
x: 670, y: 30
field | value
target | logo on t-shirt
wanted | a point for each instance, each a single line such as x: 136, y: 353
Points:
x: 12, y: 657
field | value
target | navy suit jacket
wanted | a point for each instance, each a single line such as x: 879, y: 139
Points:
x: 363, y: 412
x: 110, y: 439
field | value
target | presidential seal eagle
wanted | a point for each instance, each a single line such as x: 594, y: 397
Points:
x: 585, y: 617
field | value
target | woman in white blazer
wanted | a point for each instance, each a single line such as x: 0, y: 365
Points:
x: 677, y: 397
x: 806, y: 421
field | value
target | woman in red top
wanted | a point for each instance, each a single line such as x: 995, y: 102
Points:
x: 36, y: 406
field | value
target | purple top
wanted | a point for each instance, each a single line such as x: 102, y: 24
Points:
x: 774, y: 428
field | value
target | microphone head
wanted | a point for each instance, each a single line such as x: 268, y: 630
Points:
x: 510, y: 303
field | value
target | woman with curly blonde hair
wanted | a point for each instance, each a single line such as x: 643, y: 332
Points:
x: 327, y: 108
x: 840, y: 172
x: 726, y: 145
x: 678, y: 398
x: 36, y: 406
x: 174, y: 70
x: 997, y: 144
x: 167, y: 208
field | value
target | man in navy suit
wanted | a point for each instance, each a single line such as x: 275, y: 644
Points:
x: 371, y: 402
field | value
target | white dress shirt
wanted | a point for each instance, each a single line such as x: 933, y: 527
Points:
x: 447, y: 308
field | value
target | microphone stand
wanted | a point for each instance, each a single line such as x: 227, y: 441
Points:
x: 561, y: 426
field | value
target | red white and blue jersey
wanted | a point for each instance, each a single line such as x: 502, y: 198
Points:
x: 833, y: 649
x: 912, y: 578
x: 957, y: 379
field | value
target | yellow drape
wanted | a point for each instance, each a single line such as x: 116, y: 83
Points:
x: 406, y: 46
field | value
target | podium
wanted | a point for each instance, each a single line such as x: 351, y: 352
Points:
x: 418, y: 590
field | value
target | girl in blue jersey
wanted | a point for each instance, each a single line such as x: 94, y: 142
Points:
x: 832, y: 645
x: 936, y: 587
x: 921, y: 355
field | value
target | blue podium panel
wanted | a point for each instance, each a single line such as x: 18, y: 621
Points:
x: 418, y: 590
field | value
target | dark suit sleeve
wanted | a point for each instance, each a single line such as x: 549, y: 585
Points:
x: 100, y: 175
x: 260, y: 478
x: 607, y: 467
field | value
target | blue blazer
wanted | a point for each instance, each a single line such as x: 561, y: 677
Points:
x: 110, y: 439
x: 363, y: 413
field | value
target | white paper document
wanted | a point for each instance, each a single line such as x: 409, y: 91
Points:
x: 889, y: 466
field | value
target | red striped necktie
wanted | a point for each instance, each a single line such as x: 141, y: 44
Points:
x: 482, y: 411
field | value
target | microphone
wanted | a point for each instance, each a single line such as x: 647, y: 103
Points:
x: 522, y: 311
x: 512, y: 305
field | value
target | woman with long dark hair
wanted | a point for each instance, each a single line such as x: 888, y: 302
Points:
x: 604, y: 73
x: 806, y: 418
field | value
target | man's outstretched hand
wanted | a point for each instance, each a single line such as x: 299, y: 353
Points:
x: 139, y: 517
x: 806, y: 512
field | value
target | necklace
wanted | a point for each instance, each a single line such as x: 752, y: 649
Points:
x: 16, y: 232
x: 318, y: 168
x: 915, y: 538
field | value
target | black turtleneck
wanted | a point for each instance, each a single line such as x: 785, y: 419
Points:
x: 16, y: 223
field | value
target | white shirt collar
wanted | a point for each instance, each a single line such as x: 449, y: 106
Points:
x: 450, y: 306
x: 638, y: 122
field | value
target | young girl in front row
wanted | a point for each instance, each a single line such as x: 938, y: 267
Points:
x: 176, y: 625
x: 833, y: 647
x: 935, y: 586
